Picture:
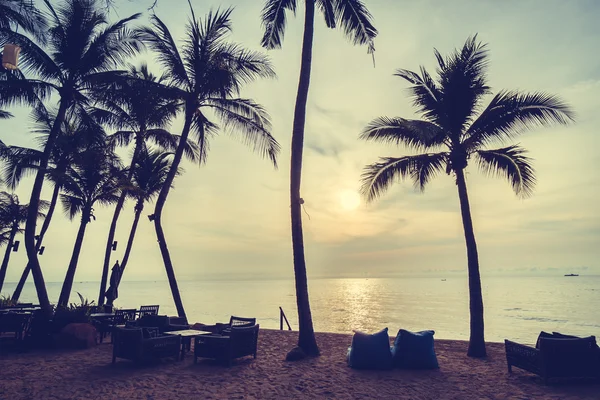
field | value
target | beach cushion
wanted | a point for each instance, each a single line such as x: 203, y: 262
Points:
x: 414, y: 350
x: 569, y: 357
x: 150, y: 332
x: 370, y: 351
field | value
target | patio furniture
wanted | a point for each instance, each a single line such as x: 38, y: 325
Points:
x: 148, y: 310
x: 162, y: 322
x: 225, y: 329
x: 131, y: 344
x: 241, y: 341
x: 17, y: 324
x: 556, y: 356
x: 103, y: 322
x: 186, y: 338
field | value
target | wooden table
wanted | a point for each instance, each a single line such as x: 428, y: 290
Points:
x: 186, y: 338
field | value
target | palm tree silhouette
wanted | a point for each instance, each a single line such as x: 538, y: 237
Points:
x: 140, y: 107
x: 207, y: 73
x: 354, y: 18
x: 451, y: 121
x: 23, y: 14
x: 149, y: 175
x: 96, y: 178
x: 75, y: 136
x: 12, y: 215
x: 83, y: 51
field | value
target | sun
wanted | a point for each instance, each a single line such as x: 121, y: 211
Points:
x: 349, y: 200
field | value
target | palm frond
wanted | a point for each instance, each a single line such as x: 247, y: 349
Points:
x: 5, y: 114
x: 23, y: 14
x: 378, y: 177
x: 251, y: 120
x: 463, y: 82
x: 510, y: 113
x: 273, y: 21
x: 327, y: 8
x: 414, y: 134
x: 72, y: 205
x: 159, y: 39
x: 512, y: 163
x: 426, y: 94
x: 32, y: 58
x: 356, y: 21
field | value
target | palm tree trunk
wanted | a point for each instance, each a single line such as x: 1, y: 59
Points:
x: 115, y: 219
x: 32, y: 214
x: 306, y: 339
x: 9, y: 245
x: 65, y: 292
x: 160, y: 203
x: 476, y: 340
x: 138, y: 211
x: 38, y: 244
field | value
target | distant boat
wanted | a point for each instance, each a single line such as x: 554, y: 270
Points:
x: 443, y: 280
x: 571, y: 274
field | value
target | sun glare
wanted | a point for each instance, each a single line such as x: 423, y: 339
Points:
x: 349, y: 200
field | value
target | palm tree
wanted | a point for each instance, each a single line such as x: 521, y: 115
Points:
x: 95, y: 179
x: 207, y: 74
x: 83, y: 51
x: 140, y: 107
x: 4, y: 115
x: 75, y: 136
x: 12, y: 216
x: 355, y: 20
x: 22, y: 14
x: 451, y: 121
x: 149, y: 175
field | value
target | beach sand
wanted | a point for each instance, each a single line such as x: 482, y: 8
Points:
x: 88, y: 374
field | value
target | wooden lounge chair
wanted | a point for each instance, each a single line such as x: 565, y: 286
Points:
x: 556, y: 356
x: 131, y: 344
x: 241, y: 341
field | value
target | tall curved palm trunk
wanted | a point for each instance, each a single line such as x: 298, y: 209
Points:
x: 115, y: 219
x: 138, y: 211
x: 476, y: 339
x: 32, y: 215
x: 65, y: 292
x: 306, y: 339
x: 160, y: 204
x: 45, y: 225
x: 5, y: 260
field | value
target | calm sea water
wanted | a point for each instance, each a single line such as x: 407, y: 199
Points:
x: 516, y: 308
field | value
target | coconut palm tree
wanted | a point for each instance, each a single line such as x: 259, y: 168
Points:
x: 15, y: 14
x: 140, y: 107
x: 450, y: 106
x: 96, y: 178
x: 149, y: 175
x: 75, y: 136
x: 12, y: 216
x: 355, y: 20
x: 83, y: 50
x: 207, y: 74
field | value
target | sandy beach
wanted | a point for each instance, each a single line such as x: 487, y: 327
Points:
x: 88, y: 374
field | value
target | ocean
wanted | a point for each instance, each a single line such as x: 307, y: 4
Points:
x: 516, y: 308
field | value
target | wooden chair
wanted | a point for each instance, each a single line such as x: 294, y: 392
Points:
x: 148, y: 310
x: 556, y: 356
x: 242, y: 341
x: 130, y: 344
x: 16, y: 323
x: 238, y: 322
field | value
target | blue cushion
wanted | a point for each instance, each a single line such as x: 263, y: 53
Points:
x: 370, y: 351
x: 414, y: 350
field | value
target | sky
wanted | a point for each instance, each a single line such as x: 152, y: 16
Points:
x: 229, y: 219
